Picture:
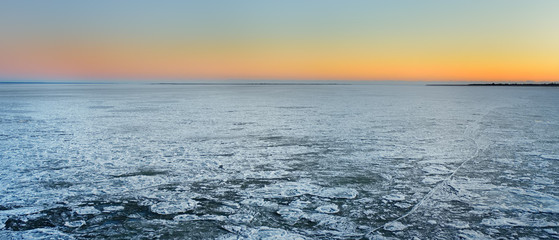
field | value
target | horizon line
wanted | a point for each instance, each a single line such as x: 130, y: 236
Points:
x: 240, y: 80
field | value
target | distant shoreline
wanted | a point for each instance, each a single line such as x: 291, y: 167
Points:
x: 48, y: 83
x: 180, y: 83
x: 499, y: 84
x: 256, y: 83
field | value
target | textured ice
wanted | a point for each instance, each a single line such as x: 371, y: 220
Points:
x: 259, y: 202
x: 86, y: 210
x: 261, y: 233
x: 468, y: 234
x: 395, y: 226
x: 75, y: 224
x: 278, y: 161
x: 39, y: 234
x: 295, y: 189
x: 190, y: 217
x: 395, y: 197
x: 173, y: 207
x: 290, y: 214
x: 113, y: 208
x: 284, y: 190
x: 511, y: 222
x: 337, y: 193
x: 329, y: 208
x: 550, y: 157
x: 340, y: 224
x: 241, y: 218
x: 432, y: 179
x: 436, y: 169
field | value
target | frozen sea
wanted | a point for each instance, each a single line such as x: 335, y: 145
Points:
x: 143, y: 161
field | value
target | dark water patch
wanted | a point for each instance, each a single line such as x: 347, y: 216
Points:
x: 4, y: 136
x: 357, y: 179
x: 57, y: 184
x: 16, y: 224
x: 43, y: 219
x: 8, y: 207
x: 244, y: 123
x: 218, y: 155
x: 459, y: 207
x: 17, y: 120
x: 272, y: 138
x: 143, y: 172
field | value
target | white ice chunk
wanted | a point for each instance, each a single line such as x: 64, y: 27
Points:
x: 291, y: 214
x: 395, y: 197
x: 394, y: 226
x: 113, y: 208
x: 86, y: 210
x: 191, y: 217
x: 173, y: 207
x: 263, y: 233
x: 259, y: 202
x: 75, y: 224
x: 338, y: 192
x: 329, y: 208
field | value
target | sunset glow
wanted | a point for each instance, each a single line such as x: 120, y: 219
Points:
x: 331, y: 40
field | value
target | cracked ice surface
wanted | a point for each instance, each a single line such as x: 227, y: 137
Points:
x: 278, y: 161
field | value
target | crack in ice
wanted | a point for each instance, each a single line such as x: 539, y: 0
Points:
x: 441, y: 184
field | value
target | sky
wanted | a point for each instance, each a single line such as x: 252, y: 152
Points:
x: 430, y: 40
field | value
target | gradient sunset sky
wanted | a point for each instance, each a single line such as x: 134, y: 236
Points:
x: 493, y: 40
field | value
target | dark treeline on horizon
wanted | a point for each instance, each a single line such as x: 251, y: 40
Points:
x: 552, y: 84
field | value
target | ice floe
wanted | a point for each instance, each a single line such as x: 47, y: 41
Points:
x: 259, y: 233
x: 329, y: 208
x: 173, y: 207
x: 394, y: 226
x: 86, y: 210
x: 290, y: 214
x: 75, y: 224
x: 191, y: 217
x: 294, y: 189
x: 395, y: 197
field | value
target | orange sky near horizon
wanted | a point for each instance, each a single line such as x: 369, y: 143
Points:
x: 341, y: 46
